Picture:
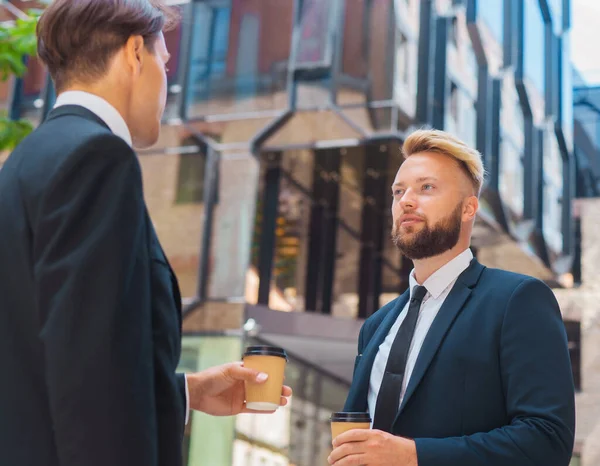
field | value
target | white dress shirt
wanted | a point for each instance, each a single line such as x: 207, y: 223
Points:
x: 113, y: 119
x: 438, y: 287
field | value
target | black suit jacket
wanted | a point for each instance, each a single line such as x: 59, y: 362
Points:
x: 492, y: 385
x: 90, y: 321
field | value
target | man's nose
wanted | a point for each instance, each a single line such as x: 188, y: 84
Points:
x: 408, y: 200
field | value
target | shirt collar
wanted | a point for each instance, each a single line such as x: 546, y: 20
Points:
x: 101, y: 108
x: 444, y: 276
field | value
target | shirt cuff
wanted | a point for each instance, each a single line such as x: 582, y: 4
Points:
x: 187, y: 400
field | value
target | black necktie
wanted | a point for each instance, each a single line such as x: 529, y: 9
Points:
x: 388, y: 399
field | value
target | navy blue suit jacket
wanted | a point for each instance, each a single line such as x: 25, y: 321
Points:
x: 492, y: 385
x: 90, y: 322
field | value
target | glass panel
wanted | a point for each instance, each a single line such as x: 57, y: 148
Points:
x: 291, y: 242
x: 553, y: 192
x: 375, y: 121
x: 173, y: 174
x: 234, y: 216
x: 566, y: 90
x: 231, y: 131
x: 308, y: 127
x: 491, y: 13
x: 239, y: 56
x: 367, y: 56
x: 174, y: 80
x: 405, y: 75
x: 318, y: 19
x: 511, y: 148
x: 298, y: 434
x: 511, y: 176
x: 556, y: 10
x: 208, y: 439
x: 534, y: 34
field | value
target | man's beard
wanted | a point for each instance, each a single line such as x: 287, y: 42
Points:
x: 429, y: 241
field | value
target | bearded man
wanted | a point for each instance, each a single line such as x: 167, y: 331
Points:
x: 470, y: 366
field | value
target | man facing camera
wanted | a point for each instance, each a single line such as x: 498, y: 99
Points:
x: 470, y: 366
x: 90, y: 312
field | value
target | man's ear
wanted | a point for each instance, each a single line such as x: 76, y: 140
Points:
x: 470, y: 208
x: 134, y: 48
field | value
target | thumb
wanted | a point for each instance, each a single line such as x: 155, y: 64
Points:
x: 239, y: 372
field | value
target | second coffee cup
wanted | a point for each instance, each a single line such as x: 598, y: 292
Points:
x: 270, y: 360
x: 342, y: 422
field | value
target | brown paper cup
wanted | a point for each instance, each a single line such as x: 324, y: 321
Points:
x: 343, y: 422
x: 272, y: 361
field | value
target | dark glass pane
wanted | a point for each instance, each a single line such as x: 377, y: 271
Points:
x: 190, y: 182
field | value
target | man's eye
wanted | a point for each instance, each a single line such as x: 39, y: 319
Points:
x: 398, y: 192
x: 427, y: 187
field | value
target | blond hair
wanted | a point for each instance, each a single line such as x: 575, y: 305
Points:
x: 433, y: 140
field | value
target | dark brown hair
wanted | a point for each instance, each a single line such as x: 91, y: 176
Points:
x: 78, y: 38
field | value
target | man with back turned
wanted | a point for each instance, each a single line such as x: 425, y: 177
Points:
x: 470, y: 366
x: 90, y: 312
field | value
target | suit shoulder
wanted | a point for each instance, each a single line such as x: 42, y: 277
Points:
x: 504, y: 286
x: 506, y: 279
x: 60, y: 143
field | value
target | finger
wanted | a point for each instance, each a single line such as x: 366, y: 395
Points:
x: 287, y: 391
x: 343, y: 451
x: 239, y: 372
x: 351, y: 460
x: 283, y: 401
x: 354, y: 435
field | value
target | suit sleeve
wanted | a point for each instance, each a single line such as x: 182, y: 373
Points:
x: 538, y: 387
x: 93, y: 296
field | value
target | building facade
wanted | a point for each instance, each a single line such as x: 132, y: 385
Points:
x: 269, y: 185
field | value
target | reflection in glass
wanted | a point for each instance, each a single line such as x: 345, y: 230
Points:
x: 553, y: 191
x: 306, y: 178
x: 534, y: 35
x: 173, y: 175
x: 367, y: 54
x: 233, y: 223
x: 239, y: 56
x: 491, y: 13
x: 298, y: 434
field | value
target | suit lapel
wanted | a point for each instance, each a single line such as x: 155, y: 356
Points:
x: 442, y: 323
x: 357, y: 398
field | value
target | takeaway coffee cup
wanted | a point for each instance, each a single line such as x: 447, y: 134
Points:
x: 343, y: 422
x: 270, y: 360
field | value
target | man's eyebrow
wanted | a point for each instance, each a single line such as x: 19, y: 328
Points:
x: 419, y: 180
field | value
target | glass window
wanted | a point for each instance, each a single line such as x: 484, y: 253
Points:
x: 534, y: 53
x: 239, y: 56
x: 300, y: 433
x: 233, y: 223
x: 402, y: 59
x: 171, y: 189
x: 453, y: 101
x: 553, y: 191
x: 190, y: 181
x: 511, y: 176
x: 454, y: 31
x: 491, y: 13
x: 309, y: 185
x: 566, y: 90
x: 368, y: 50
